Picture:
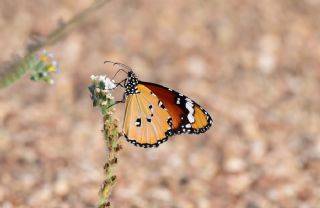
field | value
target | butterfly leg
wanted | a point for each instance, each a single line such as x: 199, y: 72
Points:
x: 120, y: 83
x: 118, y: 101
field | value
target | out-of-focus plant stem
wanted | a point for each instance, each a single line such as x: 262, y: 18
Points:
x: 111, y: 137
x: 100, y: 94
x: 22, y: 65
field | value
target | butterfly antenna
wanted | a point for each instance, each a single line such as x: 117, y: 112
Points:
x: 120, y: 64
x: 118, y: 72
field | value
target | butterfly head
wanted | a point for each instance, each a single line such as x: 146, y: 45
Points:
x: 131, y: 83
x: 131, y: 74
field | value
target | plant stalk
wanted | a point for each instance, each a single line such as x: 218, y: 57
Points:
x: 112, y: 140
x: 21, y: 66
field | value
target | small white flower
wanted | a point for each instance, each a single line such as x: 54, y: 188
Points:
x: 45, y: 52
x: 108, y: 83
x: 50, y: 55
x: 93, y: 78
x: 104, y: 103
x: 109, y: 96
x: 55, y: 64
x: 101, y: 78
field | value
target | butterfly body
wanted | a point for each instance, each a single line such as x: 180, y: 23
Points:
x: 131, y: 84
x: 154, y: 113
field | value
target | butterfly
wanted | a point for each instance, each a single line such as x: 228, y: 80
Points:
x: 153, y: 112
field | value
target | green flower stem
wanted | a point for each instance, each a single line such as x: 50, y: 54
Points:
x: 111, y: 137
x: 100, y: 95
x: 61, y: 31
x: 21, y: 66
x: 17, y: 70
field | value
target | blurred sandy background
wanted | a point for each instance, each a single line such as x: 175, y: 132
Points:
x: 254, y: 65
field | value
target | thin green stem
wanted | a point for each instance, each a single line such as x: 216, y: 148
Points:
x: 21, y: 66
x: 112, y: 140
x: 100, y: 95
x: 65, y: 28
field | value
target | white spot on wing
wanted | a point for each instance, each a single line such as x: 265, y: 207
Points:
x: 189, y: 106
x: 189, y: 100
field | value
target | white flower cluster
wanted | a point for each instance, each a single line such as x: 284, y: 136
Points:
x: 108, y: 83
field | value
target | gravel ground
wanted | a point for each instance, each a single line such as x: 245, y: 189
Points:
x: 254, y: 65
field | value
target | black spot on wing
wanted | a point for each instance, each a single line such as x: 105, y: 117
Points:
x: 138, y: 122
x: 160, y: 104
x: 170, y: 122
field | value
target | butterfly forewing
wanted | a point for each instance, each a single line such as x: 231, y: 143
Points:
x: 187, y: 115
x: 147, y: 123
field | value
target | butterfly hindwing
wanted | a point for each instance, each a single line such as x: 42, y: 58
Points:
x: 147, y: 122
x: 187, y: 115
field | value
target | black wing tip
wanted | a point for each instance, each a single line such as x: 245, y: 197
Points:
x: 209, y: 121
x: 184, y: 130
x: 205, y: 128
x: 147, y: 145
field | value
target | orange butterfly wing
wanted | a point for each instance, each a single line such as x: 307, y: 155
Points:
x: 187, y: 115
x: 147, y: 123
